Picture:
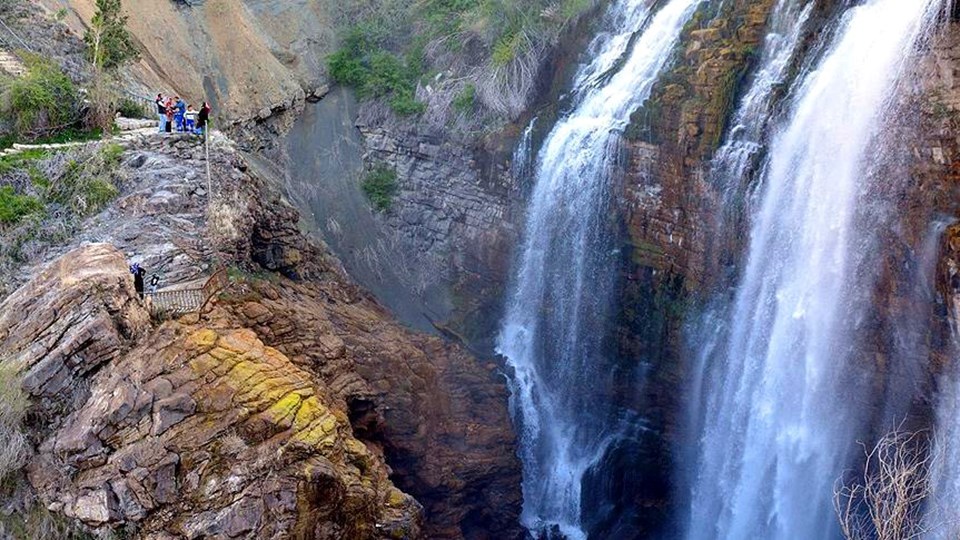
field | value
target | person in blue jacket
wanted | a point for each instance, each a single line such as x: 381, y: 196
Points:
x: 181, y: 110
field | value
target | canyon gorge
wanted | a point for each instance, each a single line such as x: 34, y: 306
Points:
x: 489, y: 270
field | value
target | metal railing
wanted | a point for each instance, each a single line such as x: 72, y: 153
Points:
x: 183, y: 301
x: 9, y: 31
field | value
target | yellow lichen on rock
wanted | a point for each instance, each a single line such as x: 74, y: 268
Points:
x: 204, y: 339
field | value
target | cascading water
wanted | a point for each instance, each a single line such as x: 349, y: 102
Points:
x: 561, y: 302
x: 945, y: 472
x: 745, y: 140
x: 780, y: 414
x: 521, y: 156
x: 732, y: 164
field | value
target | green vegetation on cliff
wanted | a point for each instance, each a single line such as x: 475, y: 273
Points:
x: 109, y: 46
x: 467, y: 52
x: 365, y: 64
x: 698, y: 90
x: 44, y: 195
x: 13, y: 409
x: 42, y: 102
x: 14, y: 207
x: 380, y: 186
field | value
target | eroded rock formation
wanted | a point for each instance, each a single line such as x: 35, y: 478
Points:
x: 295, y: 409
x: 190, y: 432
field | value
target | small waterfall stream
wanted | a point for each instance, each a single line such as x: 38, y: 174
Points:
x: 777, y: 425
x: 561, y: 303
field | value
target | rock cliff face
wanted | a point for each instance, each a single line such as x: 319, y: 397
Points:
x: 918, y: 310
x: 459, y: 208
x: 294, y: 409
x: 250, y: 59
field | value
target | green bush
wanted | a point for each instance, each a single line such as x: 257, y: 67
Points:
x: 42, y: 102
x: 111, y: 154
x: 382, y: 56
x: 363, y: 63
x: 131, y: 108
x: 466, y: 98
x: 380, y: 186
x: 14, y: 207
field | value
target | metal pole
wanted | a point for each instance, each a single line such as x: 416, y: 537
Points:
x: 14, y: 34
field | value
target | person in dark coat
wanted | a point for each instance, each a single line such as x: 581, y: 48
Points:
x: 202, y: 117
x: 161, y: 112
x: 138, y: 273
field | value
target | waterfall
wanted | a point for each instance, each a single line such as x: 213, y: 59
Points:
x: 521, y: 156
x: 561, y: 301
x: 731, y: 162
x: 735, y: 159
x: 943, y: 504
x: 781, y: 402
x: 944, y: 500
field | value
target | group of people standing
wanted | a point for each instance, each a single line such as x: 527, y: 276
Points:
x: 176, y: 116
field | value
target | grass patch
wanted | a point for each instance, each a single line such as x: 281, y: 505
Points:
x: 111, y: 154
x: 98, y: 192
x: 22, y: 160
x: 38, y: 522
x: 87, y: 186
x: 15, y: 207
x: 380, y: 186
x: 13, y: 410
x: 466, y: 99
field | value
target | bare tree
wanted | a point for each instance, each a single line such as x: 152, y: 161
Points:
x: 887, y: 500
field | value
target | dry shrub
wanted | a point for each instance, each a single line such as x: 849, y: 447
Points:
x: 886, y: 500
x: 13, y: 407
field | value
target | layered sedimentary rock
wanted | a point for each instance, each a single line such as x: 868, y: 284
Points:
x: 457, y: 207
x: 296, y: 408
x: 189, y: 432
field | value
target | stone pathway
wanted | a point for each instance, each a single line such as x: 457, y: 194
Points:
x: 130, y: 128
x: 11, y: 64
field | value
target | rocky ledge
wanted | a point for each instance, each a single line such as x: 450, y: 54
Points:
x: 293, y: 408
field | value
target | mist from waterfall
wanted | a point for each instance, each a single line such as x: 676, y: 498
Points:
x: 943, y: 505
x: 561, y: 302
x: 778, y: 416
